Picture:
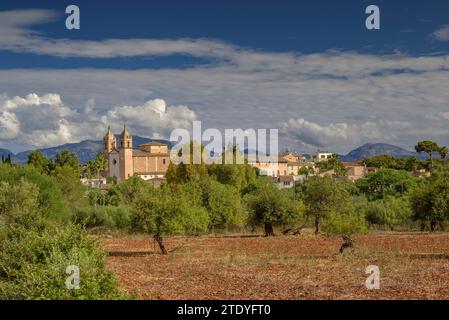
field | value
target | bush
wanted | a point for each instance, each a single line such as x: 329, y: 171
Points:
x: 35, y: 252
x: 391, y: 212
x: 33, y: 265
x: 50, y: 198
x: 222, y: 202
x: 345, y: 223
x: 110, y: 217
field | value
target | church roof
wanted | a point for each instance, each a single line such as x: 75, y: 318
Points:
x: 141, y: 153
x: 153, y: 143
x: 125, y: 133
x: 109, y: 134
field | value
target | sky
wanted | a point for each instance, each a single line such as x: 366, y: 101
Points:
x: 308, y: 68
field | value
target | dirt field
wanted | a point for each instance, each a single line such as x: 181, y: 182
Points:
x: 412, y: 266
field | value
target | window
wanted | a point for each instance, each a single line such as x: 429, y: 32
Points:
x: 163, y: 161
x: 114, y: 161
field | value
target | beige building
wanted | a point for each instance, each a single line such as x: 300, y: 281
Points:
x: 321, y: 156
x: 149, y: 162
x: 355, y: 170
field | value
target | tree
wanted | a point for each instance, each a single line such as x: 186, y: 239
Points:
x: 70, y: 185
x: 430, y: 201
x: 39, y: 161
x: 323, y: 195
x: 51, y: 199
x: 66, y: 157
x: 305, y: 171
x: 164, y: 212
x: 100, y: 164
x: 444, y: 151
x: 127, y: 191
x: 223, y: 203
x: 269, y: 205
x: 428, y: 147
x: 384, y: 182
x: 6, y: 159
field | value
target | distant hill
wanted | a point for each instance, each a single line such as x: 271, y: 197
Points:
x: 375, y: 149
x: 85, y: 150
x: 88, y: 149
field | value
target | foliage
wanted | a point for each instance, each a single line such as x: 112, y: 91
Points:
x: 67, y: 158
x: 35, y: 252
x: 390, y: 212
x: 166, y: 212
x: 322, y: 196
x: 430, y: 201
x: 110, y: 217
x: 223, y: 203
x: 127, y: 191
x: 347, y: 222
x: 385, y: 182
x: 51, y: 199
x: 269, y: 205
x: 40, y: 162
x: 93, y: 168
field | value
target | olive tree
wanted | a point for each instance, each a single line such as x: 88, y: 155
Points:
x: 430, y: 202
x: 323, y: 195
x: 269, y: 205
x: 164, y: 212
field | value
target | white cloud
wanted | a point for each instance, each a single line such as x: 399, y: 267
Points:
x: 153, y: 118
x: 9, y: 125
x: 18, y: 38
x: 442, y: 34
x: 42, y: 121
x: 331, y: 134
x: 341, y: 98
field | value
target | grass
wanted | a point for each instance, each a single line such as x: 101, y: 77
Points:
x: 412, y: 266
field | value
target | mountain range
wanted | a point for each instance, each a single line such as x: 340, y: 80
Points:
x: 375, y: 149
x: 85, y: 150
x: 88, y: 149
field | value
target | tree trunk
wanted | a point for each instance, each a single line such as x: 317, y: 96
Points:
x: 433, y: 226
x: 423, y: 226
x: 268, y: 229
x: 431, y: 161
x: 317, y: 225
x: 160, y: 242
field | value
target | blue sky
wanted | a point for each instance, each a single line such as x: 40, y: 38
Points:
x: 309, y: 68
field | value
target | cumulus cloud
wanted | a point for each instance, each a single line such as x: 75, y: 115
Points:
x: 153, y: 118
x: 42, y: 121
x: 442, y: 34
x: 331, y: 134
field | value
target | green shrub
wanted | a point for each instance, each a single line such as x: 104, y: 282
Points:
x: 348, y: 223
x: 50, y: 198
x: 35, y: 252
x: 33, y: 265
x: 111, y: 217
x: 390, y: 212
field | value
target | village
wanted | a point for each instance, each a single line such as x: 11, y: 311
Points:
x: 150, y: 162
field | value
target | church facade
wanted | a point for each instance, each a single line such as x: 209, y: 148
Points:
x: 149, y: 161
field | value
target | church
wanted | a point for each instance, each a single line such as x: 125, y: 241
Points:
x: 149, y: 161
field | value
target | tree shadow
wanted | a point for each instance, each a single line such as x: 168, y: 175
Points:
x: 428, y: 256
x: 130, y: 253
